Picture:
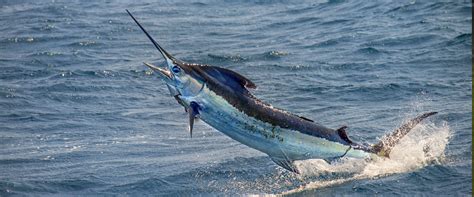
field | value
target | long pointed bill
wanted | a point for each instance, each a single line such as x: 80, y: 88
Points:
x: 166, y: 55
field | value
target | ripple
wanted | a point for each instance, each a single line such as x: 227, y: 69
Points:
x: 465, y: 38
x: 412, y: 40
x: 19, y: 40
x: 277, y: 54
x: 370, y: 51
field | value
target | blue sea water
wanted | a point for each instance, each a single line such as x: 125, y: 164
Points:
x: 81, y: 115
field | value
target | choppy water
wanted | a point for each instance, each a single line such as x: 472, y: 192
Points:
x: 80, y: 114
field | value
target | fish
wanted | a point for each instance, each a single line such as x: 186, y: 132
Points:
x: 222, y: 98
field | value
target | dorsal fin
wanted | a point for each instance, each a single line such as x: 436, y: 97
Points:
x: 227, y: 76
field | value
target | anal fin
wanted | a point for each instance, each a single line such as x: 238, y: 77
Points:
x: 284, y: 163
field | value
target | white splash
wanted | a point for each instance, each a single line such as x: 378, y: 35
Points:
x: 424, y: 145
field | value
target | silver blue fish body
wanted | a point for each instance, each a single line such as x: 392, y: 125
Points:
x: 273, y: 140
x: 222, y: 98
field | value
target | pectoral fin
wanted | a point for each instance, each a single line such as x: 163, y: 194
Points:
x: 193, y: 111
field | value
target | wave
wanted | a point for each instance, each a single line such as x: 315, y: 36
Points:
x: 370, y: 51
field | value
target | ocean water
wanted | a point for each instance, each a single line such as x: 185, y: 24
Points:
x: 81, y: 115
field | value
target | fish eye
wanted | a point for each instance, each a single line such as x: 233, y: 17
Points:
x: 175, y: 69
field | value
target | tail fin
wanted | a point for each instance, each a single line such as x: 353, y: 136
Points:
x: 384, y: 147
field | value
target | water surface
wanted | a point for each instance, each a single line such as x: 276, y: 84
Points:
x: 80, y: 114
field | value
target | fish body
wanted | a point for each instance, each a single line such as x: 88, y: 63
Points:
x: 274, y: 140
x: 222, y: 98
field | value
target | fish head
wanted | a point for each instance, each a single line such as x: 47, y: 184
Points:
x: 181, y: 78
x: 188, y: 80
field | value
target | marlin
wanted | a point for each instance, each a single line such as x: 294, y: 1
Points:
x: 221, y: 98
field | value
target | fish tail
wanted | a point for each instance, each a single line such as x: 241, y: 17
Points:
x: 384, y: 147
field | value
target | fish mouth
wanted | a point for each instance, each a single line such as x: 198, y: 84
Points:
x: 165, y: 74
